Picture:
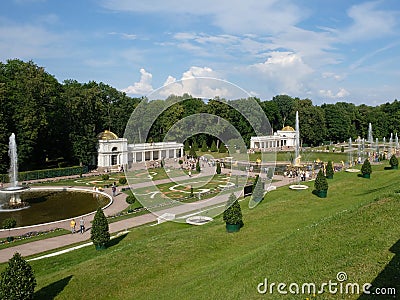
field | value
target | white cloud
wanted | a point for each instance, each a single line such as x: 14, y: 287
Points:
x: 143, y: 87
x: 286, y: 71
x: 332, y: 75
x: 125, y: 36
x: 234, y: 16
x: 329, y: 94
x: 202, y: 82
x: 368, y: 22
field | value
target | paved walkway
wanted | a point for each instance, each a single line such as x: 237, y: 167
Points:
x: 118, y: 205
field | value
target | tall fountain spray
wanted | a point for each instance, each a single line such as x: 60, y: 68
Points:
x: 14, y: 190
x: 12, y: 153
x: 370, y: 138
x: 296, y: 160
x: 377, y: 145
x: 350, y: 152
x: 396, y: 138
x: 391, y: 144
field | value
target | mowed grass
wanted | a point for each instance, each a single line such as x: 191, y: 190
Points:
x: 291, y: 237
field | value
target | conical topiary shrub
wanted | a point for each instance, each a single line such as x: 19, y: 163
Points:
x: 321, y: 185
x: 329, y: 170
x: 233, y: 215
x: 17, y: 280
x: 218, y: 170
x: 258, y: 190
x: 366, y: 169
x: 394, y: 162
x: 100, y: 234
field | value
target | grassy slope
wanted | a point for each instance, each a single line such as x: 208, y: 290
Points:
x: 291, y: 237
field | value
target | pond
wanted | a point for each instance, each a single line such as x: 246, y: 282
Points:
x: 52, y: 205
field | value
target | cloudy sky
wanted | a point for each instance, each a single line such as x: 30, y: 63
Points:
x: 325, y: 50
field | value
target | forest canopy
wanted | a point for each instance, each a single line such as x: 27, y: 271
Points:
x: 57, y: 123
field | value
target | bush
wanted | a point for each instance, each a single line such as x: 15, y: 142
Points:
x: 130, y: 199
x: 233, y: 211
x: 17, y: 280
x: 198, y: 167
x: 321, y: 184
x: 195, y: 146
x: 9, y: 223
x: 218, y: 171
x: 213, y: 147
x: 180, y: 161
x: 122, y: 180
x: 393, y: 161
x: 258, y: 190
x: 366, y: 167
x: 100, y: 234
x: 222, y: 148
x: 342, y: 149
x: 105, y: 177
x: 204, y: 147
x: 329, y: 170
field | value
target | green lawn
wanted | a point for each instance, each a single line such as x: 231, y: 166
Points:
x: 291, y: 237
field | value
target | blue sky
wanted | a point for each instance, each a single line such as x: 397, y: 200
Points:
x: 325, y: 50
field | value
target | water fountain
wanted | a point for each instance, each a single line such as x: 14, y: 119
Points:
x: 350, y: 152
x: 14, y: 190
x: 396, y: 142
x: 297, y: 157
x: 46, y: 204
x: 296, y: 161
x: 370, y: 138
x: 390, y: 145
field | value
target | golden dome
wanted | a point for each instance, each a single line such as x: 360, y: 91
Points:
x: 107, y: 135
x: 288, y: 128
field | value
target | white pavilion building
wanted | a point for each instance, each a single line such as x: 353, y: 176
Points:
x: 114, y: 152
x: 285, y: 138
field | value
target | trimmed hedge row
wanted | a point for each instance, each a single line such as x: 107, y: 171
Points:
x: 47, y: 173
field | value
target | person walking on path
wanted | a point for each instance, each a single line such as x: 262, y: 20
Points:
x: 82, y: 225
x: 72, y: 224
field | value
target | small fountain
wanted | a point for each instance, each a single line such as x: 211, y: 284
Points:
x: 14, y: 189
x: 297, y: 157
x: 396, y: 142
x: 391, y: 144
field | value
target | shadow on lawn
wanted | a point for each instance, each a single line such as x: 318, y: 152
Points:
x: 389, y: 277
x: 116, y: 240
x: 53, y: 289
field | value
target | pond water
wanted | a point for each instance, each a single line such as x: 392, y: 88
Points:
x: 49, y: 206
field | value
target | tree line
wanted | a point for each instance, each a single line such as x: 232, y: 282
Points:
x: 57, y: 123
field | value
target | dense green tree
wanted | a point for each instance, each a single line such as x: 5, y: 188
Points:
x: 213, y: 146
x: 100, y: 234
x: 233, y: 211
x: 17, y: 280
x: 285, y: 105
x: 204, y: 147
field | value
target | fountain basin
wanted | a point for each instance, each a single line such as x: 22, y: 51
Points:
x: 198, y: 220
x: 352, y: 170
x: 298, y: 187
x: 54, y: 204
x: 14, y: 189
